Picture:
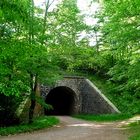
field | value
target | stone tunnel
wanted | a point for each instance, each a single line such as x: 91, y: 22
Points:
x: 77, y: 95
x: 63, y: 100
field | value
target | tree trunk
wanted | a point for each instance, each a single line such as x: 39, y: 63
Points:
x: 33, y: 85
x: 31, y: 110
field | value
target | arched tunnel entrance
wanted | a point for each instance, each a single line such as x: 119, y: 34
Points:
x: 63, y: 100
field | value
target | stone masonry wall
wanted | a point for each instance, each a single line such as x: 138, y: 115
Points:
x: 93, y: 101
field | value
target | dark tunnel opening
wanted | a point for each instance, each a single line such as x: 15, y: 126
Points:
x: 63, y: 101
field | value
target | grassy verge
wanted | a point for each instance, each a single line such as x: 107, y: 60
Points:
x: 104, y: 118
x: 135, y: 130
x: 39, y: 123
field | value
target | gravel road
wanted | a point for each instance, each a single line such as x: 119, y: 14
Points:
x: 75, y: 129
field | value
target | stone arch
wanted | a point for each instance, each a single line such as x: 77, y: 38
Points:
x: 63, y: 99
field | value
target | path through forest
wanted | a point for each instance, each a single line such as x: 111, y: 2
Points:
x: 76, y: 129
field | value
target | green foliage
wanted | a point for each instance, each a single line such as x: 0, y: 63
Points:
x: 105, y: 117
x: 43, y: 103
x: 24, y: 59
x: 66, y: 26
x: 117, y: 60
x: 135, y: 137
x: 39, y: 123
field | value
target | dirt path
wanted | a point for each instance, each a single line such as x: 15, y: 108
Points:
x: 75, y: 129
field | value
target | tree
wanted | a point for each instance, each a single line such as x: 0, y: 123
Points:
x: 24, y: 61
x: 121, y: 41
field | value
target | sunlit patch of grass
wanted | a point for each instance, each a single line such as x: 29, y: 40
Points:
x: 135, y: 130
x: 104, y: 117
x: 135, y: 137
x: 39, y: 123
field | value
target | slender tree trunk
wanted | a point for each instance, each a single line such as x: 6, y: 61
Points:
x: 31, y: 22
x: 47, y: 6
x: 97, y: 43
x: 33, y: 85
x: 32, y: 76
x: 31, y: 110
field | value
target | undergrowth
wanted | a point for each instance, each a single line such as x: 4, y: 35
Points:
x: 39, y: 123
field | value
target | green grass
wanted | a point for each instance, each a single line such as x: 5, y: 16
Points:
x: 104, y: 118
x: 39, y: 123
x: 136, y: 136
x: 134, y: 128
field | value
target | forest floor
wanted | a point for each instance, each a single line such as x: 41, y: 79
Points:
x: 77, y: 129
